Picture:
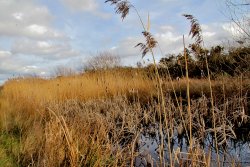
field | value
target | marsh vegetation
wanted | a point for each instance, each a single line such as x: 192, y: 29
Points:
x: 133, y: 116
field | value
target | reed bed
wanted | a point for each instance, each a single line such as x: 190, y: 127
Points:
x: 99, y: 118
x: 93, y: 129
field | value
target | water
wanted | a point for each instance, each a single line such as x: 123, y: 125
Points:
x: 237, y: 151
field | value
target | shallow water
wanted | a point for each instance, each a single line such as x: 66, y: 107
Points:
x: 237, y: 151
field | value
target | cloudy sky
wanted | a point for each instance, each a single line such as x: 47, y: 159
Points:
x: 37, y: 36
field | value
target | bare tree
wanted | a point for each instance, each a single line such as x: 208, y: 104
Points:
x: 238, y: 12
x: 103, y: 60
x: 63, y: 71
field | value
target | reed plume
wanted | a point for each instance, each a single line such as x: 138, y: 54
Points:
x: 195, y: 29
x: 196, y: 32
x: 150, y: 43
x: 121, y: 6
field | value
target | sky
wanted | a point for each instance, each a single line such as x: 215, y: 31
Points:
x: 38, y: 36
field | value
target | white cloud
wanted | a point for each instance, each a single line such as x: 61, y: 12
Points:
x: 18, y: 16
x: 81, y: 5
x: 12, y: 65
x: 171, y: 42
x: 208, y: 34
x: 170, y: 36
x: 126, y: 47
x: 8, y: 64
x: 91, y: 6
x: 33, y: 45
x: 26, y: 19
x: 29, y: 68
x: 165, y: 28
x: 42, y: 32
x: 34, y: 28
x: 233, y: 29
x: 213, y: 34
x: 47, y: 49
x: 28, y: 12
x: 4, y: 54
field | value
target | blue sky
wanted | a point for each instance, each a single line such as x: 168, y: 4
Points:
x: 37, y: 36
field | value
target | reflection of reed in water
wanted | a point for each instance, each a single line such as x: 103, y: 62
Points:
x: 233, y: 151
x: 228, y: 129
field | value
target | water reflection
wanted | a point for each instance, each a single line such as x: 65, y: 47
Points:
x: 233, y: 151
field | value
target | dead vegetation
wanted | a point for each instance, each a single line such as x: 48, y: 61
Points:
x: 60, y: 124
x: 99, y: 118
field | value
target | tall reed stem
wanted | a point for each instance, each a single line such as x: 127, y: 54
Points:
x: 212, y: 108
x: 162, y: 100
x: 188, y: 96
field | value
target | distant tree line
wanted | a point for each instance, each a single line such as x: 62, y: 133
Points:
x: 234, y: 62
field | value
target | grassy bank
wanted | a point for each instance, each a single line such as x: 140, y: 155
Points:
x: 9, y: 149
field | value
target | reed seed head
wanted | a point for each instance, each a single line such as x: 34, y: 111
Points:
x: 150, y: 43
x: 195, y: 30
x: 122, y: 7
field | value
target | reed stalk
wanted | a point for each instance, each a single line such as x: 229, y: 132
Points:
x: 122, y: 7
x: 213, y: 111
x: 188, y: 96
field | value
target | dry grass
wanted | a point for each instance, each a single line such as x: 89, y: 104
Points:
x: 91, y: 85
x: 62, y: 122
x: 94, y: 119
x: 97, y: 118
x: 122, y: 7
